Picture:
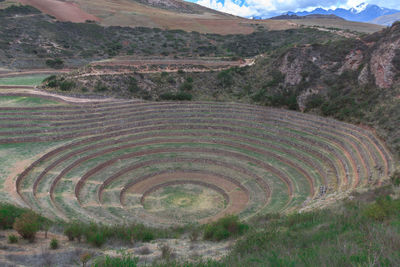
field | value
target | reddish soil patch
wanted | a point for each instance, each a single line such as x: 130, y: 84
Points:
x: 63, y: 11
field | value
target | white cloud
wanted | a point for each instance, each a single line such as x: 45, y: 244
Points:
x: 275, y: 7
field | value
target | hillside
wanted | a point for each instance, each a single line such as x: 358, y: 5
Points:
x: 350, y: 79
x: 33, y: 40
x: 387, y: 20
x: 173, y: 14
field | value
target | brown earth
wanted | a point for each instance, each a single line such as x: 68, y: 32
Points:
x: 63, y: 11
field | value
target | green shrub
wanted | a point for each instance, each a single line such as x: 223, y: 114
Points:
x: 383, y: 208
x: 186, y: 86
x: 133, y: 85
x: 395, y: 178
x: 66, y: 85
x: 100, y: 87
x: 50, y: 78
x: 141, y: 233
x: 125, y: 261
x: 97, y: 239
x: 54, y: 244
x: 12, y: 239
x: 314, y: 101
x: 224, y: 228
x: 27, y: 225
x: 56, y: 63
x: 8, y: 214
x: 225, y: 78
x: 166, y: 252
x: 375, y: 212
x: 73, y: 231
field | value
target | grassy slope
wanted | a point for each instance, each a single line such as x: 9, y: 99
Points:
x: 20, y: 154
x: 340, y: 24
x: 364, y: 231
x: 23, y: 80
x: 387, y: 19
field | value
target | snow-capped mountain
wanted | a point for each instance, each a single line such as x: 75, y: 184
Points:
x: 358, y: 9
x: 362, y: 13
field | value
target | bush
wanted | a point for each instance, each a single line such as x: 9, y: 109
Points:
x: 224, y: 228
x: 382, y: 208
x: 314, y: 101
x: 225, y: 78
x: 100, y: 87
x: 133, y: 85
x: 12, y: 239
x: 96, y: 239
x: 395, y: 178
x: 194, y: 235
x: 66, y: 85
x: 50, y: 78
x: 27, y: 225
x: 125, y: 261
x: 141, y: 233
x: 74, y: 231
x: 54, y: 244
x: 8, y: 214
x: 166, y: 252
x: 186, y: 86
x: 55, y: 63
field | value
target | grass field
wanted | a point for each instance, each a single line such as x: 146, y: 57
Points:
x: 23, y: 80
x: 167, y: 163
x: 23, y: 101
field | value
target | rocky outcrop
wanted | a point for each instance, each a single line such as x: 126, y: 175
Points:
x: 381, y: 64
x: 353, y: 61
x: 292, y: 66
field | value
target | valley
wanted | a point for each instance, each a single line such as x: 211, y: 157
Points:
x: 163, y: 133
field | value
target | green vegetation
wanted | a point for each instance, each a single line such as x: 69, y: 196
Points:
x: 8, y: 214
x: 66, y: 42
x: 62, y: 84
x: 224, y: 228
x: 98, y: 234
x: 18, y: 101
x: 12, y: 239
x: 54, y: 244
x: 124, y: 261
x: 56, y: 63
x: 23, y: 80
x: 317, y: 238
x: 27, y: 225
x: 345, y: 235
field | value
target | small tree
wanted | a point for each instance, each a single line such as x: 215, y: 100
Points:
x: 54, y: 244
x: 27, y: 225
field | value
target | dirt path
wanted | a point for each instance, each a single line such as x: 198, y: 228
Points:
x: 12, y: 73
x: 31, y: 91
x: 169, y: 65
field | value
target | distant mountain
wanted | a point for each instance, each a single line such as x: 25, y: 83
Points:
x: 387, y: 20
x: 312, y: 16
x: 361, y: 13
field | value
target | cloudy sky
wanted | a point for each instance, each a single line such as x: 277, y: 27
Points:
x: 265, y: 8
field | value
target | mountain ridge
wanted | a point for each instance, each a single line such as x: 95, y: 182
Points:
x: 361, y: 13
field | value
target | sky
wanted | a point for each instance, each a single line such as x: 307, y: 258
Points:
x: 268, y: 8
